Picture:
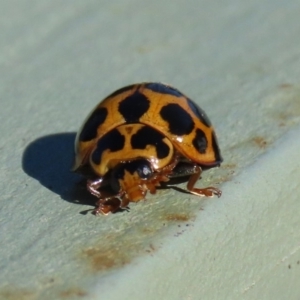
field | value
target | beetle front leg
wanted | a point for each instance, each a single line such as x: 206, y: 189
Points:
x: 103, y: 205
x: 94, y: 185
x: 106, y: 206
x: 207, y: 192
x: 111, y: 204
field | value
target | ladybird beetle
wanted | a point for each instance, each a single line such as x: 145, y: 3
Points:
x: 141, y: 136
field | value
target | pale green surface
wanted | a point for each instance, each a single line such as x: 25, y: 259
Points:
x: 239, y: 60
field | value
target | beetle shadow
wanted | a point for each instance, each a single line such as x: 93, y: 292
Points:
x: 171, y: 184
x: 49, y: 160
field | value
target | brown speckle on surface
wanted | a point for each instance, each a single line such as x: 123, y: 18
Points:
x: 227, y: 176
x: 229, y: 166
x: 16, y: 293
x: 73, y: 292
x: 148, y: 230
x: 113, y: 251
x: 289, y: 110
x: 285, y: 86
x: 260, y: 141
x: 151, y: 249
x: 178, y: 217
x: 48, y: 282
x: 283, y: 117
x: 117, y: 249
x: 105, y: 259
x: 143, y: 49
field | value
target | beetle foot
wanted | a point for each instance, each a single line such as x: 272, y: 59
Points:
x: 207, y: 192
x: 105, y: 207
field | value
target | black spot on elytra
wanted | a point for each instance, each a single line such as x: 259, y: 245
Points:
x: 200, y: 141
x: 121, y: 90
x: 216, y: 148
x: 113, y: 141
x: 163, y: 89
x: 200, y: 113
x: 133, y: 107
x: 180, y: 122
x: 149, y: 136
x: 89, y: 130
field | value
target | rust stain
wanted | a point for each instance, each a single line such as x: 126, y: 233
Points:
x: 149, y: 48
x: 149, y: 230
x: 282, y: 124
x: 48, y: 281
x: 179, y: 217
x: 143, y: 50
x: 15, y: 293
x: 260, y: 141
x: 108, y: 257
x: 226, y: 177
x: 151, y: 249
x: 289, y: 106
x: 283, y: 116
x: 229, y: 166
x: 73, y: 292
x: 117, y: 250
x: 114, y: 250
x: 285, y: 86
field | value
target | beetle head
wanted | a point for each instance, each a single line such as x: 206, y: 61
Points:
x: 131, y: 177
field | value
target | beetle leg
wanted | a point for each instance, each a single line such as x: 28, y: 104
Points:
x: 105, y: 206
x: 124, y: 202
x: 169, y: 168
x: 208, y: 192
x: 110, y: 204
x: 93, y: 186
